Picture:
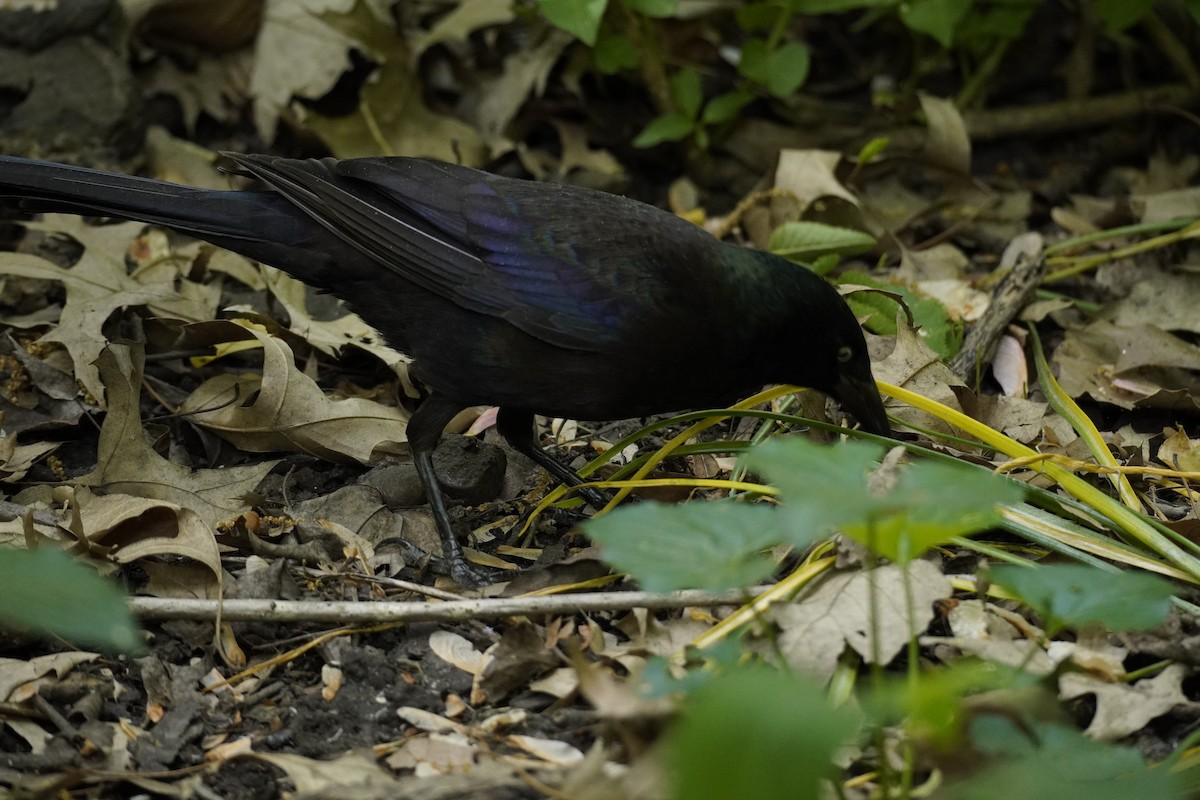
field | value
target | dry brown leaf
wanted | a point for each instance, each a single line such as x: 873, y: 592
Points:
x: 1129, y: 366
x: 913, y: 365
x: 98, y: 285
x: 464, y: 19
x: 392, y: 103
x: 290, y: 412
x: 138, y: 527
x: 808, y: 174
x: 15, y: 672
x: 127, y: 464
x: 838, y: 611
x: 357, y: 773
x: 1122, y: 708
x: 298, y: 54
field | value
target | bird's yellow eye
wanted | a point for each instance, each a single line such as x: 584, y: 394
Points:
x: 845, y: 353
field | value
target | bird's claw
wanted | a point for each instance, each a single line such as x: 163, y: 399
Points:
x: 467, y: 576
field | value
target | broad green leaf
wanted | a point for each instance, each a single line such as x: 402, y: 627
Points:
x: 979, y: 31
x: 1118, y: 15
x: 788, y: 66
x: 685, y: 91
x: 804, y: 241
x: 941, y: 333
x: 937, y: 18
x: 934, y: 707
x: 1054, y: 762
x: 696, y: 545
x: 614, y: 52
x: 823, y: 488
x: 580, y: 18
x: 932, y: 503
x: 1076, y: 595
x: 47, y: 591
x: 654, y: 8
x: 755, y: 61
x: 837, y: 6
x: 725, y: 107
x: 826, y: 488
x: 757, y: 734
x: 824, y: 264
x: 757, y: 16
x: 667, y: 128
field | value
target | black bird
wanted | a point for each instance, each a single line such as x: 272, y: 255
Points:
x: 538, y: 298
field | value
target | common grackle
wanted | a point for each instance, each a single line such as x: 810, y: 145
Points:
x: 538, y: 298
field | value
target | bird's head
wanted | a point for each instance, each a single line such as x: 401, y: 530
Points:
x: 852, y: 383
x: 830, y: 353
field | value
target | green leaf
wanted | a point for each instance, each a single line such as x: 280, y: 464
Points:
x: 725, y: 107
x: 941, y: 333
x: 931, y: 503
x: 872, y: 149
x: 780, y: 71
x: 824, y: 264
x: 755, y: 62
x: 837, y: 6
x: 935, y: 707
x: 46, y: 591
x: 788, y: 69
x: 757, y: 16
x: 757, y: 734
x: 1118, y: 15
x: 936, y: 18
x: 654, y: 8
x: 614, y: 52
x: 823, y: 488
x: 981, y: 30
x: 826, y: 488
x: 1054, y: 762
x: 804, y: 241
x: 685, y: 91
x: 1075, y: 595
x: 580, y: 18
x: 667, y: 128
x: 696, y: 545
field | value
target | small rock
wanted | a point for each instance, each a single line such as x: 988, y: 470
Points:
x: 398, y: 484
x: 76, y: 96
x: 469, y: 469
x: 32, y: 27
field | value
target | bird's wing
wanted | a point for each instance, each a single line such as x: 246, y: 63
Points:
x: 555, y: 262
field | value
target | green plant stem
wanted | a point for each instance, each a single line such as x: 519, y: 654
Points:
x: 1120, y: 232
x: 1079, y: 265
x: 1151, y: 669
x: 653, y: 69
x: 1138, y: 526
x: 1069, y: 410
x: 780, y: 27
x: 1085, y: 306
x: 974, y: 87
x: 1175, y: 51
x: 913, y: 676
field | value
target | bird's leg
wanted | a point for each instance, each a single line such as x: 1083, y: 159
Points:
x: 424, y: 430
x: 516, y: 427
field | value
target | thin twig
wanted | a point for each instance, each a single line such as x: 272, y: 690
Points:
x: 355, y: 613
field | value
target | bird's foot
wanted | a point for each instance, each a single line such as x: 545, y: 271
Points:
x: 467, y: 576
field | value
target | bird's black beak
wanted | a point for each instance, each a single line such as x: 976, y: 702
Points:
x: 860, y: 397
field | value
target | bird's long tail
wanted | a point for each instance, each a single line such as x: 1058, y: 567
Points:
x: 259, y: 225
